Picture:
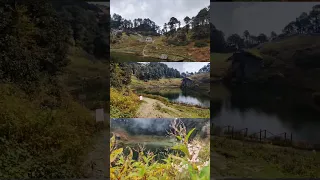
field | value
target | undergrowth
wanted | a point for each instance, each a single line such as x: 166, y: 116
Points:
x: 123, y: 103
x: 42, y: 134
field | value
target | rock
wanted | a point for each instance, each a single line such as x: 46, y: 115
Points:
x: 164, y: 56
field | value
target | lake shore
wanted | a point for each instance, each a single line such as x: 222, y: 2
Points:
x: 240, y: 159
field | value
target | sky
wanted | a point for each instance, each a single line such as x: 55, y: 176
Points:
x: 185, y: 66
x: 256, y: 17
x: 159, y: 11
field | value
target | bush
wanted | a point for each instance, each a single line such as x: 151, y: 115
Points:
x: 177, y: 43
x: 200, y: 44
x: 123, y: 103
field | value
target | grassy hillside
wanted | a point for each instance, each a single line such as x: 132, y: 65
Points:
x: 88, y: 77
x: 234, y: 158
x: 172, y: 82
x: 48, y: 122
x: 131, y: 44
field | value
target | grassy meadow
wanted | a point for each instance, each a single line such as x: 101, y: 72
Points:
x: 131, y: 45
x: 241, y: 159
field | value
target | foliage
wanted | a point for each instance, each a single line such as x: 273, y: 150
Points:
x: 200, y: 44
x: 123, y: 103
x: 39, y: 133
x: 120, y: 75
x: 184, y: 165
x: 33, y: 29
x: 144, y: 26
x: 88, y: 26
x: 43, y: 131
x: 153, y: 70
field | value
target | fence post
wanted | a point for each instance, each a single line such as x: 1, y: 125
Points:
x: 246, y: 132
x: 232, y: 132
x: 291, y: 138
x: 260, y: 134
x: 265, y: 134
x: 228, y: 129
x: 285, y: 136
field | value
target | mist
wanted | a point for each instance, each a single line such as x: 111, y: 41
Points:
x: 154, y: 126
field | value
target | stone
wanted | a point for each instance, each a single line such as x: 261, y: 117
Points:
x: 164, y: 56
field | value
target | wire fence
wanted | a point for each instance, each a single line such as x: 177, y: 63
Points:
x: 262, y: 136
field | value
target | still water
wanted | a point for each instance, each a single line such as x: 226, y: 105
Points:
x: 180, y: 96
x: 275, y: 110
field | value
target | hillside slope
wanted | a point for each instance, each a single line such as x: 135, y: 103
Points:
x: 135, y: 44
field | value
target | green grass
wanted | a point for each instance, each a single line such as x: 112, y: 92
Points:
x: 161, y: 83
x: 37, y: 141
x: 189, y: 111
x: 254, y: 160
x: 87, y: 76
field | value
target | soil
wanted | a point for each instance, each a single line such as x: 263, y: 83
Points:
x: 96, y: 164
x: 148, y: 109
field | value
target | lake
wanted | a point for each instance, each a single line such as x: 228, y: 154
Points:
x: 180, y: 96
x: 152, y: 133
x: 276, y: 110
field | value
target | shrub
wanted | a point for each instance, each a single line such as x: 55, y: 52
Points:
x: 123, y: 103
x: 200, y: 44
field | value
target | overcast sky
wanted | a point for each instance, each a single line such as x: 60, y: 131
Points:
x: 256, y: 17
x: 185, y: 66
x: 159, y: 11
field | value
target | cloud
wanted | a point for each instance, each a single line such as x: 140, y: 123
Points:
x: 159, y: 11
x: 186, y: 66
x: 258, y: 17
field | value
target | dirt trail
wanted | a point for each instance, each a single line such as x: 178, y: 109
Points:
x: 144, y: 49
x: 152, y: 108
x: 96, y: 164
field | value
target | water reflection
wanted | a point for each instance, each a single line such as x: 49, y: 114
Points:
x: 181, y: 96
x: 255, y: 109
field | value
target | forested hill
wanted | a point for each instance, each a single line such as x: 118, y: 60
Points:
x: 196, y: 27
x: 154, y: 70
x: 87, y: 25
x: 120, y: 73
x: 304, y: 24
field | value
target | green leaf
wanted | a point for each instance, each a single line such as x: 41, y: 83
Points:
x: 142, y: 171
x: 205, y: 172
x: 114, y: 154
x: 182, y: 148
x: 189, y: 134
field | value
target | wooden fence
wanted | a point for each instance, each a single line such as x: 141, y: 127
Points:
x: 263, y: 136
